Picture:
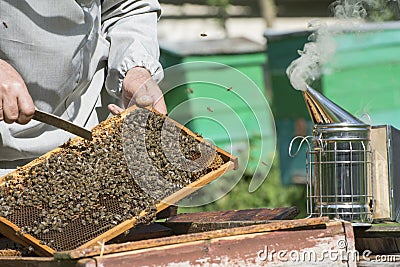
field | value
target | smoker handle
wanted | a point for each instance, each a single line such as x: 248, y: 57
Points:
x: 303, y: 139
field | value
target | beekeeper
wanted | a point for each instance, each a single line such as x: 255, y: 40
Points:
x: 58, y: 55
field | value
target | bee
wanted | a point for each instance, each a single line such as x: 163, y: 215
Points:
x: 203, y: 34
x: 190, y: 90
x: 5, y: 24
x: 264, y: 163
x: 210, y: 109
x: 229, y: 89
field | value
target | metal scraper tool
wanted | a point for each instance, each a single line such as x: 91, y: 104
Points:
x: 62, y: 124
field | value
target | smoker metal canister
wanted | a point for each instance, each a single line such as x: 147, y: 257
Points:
x: 340, y: 171
x: 339, y: 163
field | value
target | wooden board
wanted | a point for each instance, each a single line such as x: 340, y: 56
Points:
x: 129, y: 246
x: 142, y: 232
x: 45, y: 262
x: 185, y: 223
x: 378, y: 238
x: 245, y: 246
x: 258, y: 214
x: 246, y: 249
x: 11, y: 230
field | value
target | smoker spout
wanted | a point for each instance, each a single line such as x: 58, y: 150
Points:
x: 324, y: 111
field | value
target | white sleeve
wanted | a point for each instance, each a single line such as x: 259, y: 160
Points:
x: 130, y: 27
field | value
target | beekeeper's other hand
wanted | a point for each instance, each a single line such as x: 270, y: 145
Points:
x: 139, y: 88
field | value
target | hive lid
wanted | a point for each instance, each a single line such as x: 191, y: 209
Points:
x: 324, y: 111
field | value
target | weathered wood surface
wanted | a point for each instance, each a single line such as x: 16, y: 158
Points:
x: 382, y: 260
x: 167, y: 213
x: 179, y: 228
x: 185, y: 223
x: 142, y: 232
x: 180, y: 239
x: 379, y: 239
x: 303, y: 247
x: 10, y: 230
x: 379, y: 230
x: 245, y: 248
x: 301, y: 242
x: 260, y: 214
x: 45, y: 262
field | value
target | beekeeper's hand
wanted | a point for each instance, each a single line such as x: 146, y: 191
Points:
x: 16, y: 104
x: 139, y: 88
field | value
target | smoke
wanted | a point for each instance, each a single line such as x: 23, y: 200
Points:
x: 346, y: 9
x: 322, y: 46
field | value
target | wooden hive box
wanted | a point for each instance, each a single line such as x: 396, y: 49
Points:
x: 86, y: 192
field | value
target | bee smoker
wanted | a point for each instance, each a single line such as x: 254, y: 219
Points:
x: 339, y: 162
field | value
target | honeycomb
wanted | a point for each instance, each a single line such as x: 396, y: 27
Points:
x: 85, y: 188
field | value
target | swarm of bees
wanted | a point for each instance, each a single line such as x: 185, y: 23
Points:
x: 88, y: 187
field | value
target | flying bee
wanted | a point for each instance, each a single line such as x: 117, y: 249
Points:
x: 210, y: 109
x: 203, y: 34
x: 5, y: 24
x: 229, y: 89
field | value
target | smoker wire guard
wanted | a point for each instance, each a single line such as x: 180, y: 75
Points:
x: 311, y: 164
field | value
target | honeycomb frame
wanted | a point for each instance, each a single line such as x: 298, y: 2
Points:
x: 13, y: 231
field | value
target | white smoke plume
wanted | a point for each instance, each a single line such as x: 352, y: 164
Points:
x: 321, y: 46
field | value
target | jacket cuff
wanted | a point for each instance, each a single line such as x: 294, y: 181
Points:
x: 138, y: 57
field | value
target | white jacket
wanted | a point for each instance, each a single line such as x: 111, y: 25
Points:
x: 66, y: 51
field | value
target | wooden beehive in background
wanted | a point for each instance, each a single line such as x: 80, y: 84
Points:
x: 85, y: 192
